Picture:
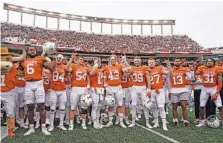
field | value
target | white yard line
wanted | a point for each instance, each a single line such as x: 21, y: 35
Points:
x: 158, y: 134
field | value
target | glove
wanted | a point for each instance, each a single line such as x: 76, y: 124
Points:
x: 96, y: 62
x: 214, y: 97
x: 157, y: 91
x: 148, y: 93
x: 123, y: 59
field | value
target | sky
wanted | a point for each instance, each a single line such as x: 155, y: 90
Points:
x: 200, y: 20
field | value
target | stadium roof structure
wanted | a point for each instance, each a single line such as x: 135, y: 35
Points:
x: 53, y: 14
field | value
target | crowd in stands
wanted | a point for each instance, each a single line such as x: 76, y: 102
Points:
x: 100, y: 42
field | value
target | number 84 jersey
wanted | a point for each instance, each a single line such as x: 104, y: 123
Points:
x: 57, y: 78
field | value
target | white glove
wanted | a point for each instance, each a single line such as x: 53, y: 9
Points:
x: 124, y: 58
x: 96, y: 63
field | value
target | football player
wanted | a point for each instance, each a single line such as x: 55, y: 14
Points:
x: 34, y: 89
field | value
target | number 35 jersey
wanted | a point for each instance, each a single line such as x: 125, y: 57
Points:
x: 33, y: 68
x: 57, y: 78
x: 79, y: 76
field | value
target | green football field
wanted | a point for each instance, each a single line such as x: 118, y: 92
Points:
x: 115, y: 134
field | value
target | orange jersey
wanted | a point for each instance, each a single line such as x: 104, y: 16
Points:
x: 139, y: 75
x: 79, y: 76
x: 19, y: 81
x: 113, y: 75
x: 209, y: 76
x: 178, y: 77
x: 46, y: 79
x: 57, y: 78
x: 97, y: 80
x: 33, y: 68
x: 126, y: 82
x: 156, y: 76
x: 7, y: 80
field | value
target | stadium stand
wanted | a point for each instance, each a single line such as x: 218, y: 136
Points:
x: 101, y: 43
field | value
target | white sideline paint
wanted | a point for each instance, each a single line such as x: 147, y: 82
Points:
x: 158, y: 134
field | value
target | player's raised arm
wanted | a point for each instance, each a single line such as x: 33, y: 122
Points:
x: 73, y: 56
x: 169, y: 68
x: 95, y: 67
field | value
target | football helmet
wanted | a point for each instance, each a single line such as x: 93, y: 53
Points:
x: 149, y: 104
x: 85, y: 101
x: 109, y: 100
x: 104, y: 117
x: 213, y: 121
x: 49, y: 48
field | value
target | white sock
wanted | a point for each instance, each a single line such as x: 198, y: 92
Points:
x: 37, y: 116
x: 133, y: 114
x: 62, y: 114
x: 67, y: 110
x: 94, y: 112
x: 110, y: 116
x: 52, y: 114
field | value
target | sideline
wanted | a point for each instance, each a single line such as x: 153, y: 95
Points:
x: 158, y: 134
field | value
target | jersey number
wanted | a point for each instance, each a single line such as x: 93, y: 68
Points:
x: 100, y: 78
x: 113, y: 75
x: 57, y: 77
x: 30, y: 69
x: 177, y: 80
x: 155, y: 79
x: 138, y: 77
x: 80, y: 75
x: 208, y: 78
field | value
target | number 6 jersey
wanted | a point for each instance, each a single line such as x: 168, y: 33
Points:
x: 33, y: 68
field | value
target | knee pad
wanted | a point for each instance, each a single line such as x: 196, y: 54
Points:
x: 83, y: 111
x: 30, y: 107
x: 41, y: 106
x: 47, y: 108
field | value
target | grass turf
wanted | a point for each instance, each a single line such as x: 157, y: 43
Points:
x: 114, y: 134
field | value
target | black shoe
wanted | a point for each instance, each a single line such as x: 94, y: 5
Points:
x: 176, y: 123
x: 185, y: 124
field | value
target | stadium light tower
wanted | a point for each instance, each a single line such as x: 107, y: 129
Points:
x: 90, y: 20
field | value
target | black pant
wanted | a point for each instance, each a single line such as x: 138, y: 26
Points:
x: 221, y: 94
x: 210, y: 105
x: 197, y: 103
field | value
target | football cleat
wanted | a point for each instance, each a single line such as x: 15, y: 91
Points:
x: 45, y: 132
x: 109, y: 124
x: 71, y: 127
x: 30, y: 131
x: 50, y: 129
x: 62, y: 128
x: 123, y: 125
x: 131, y: 125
